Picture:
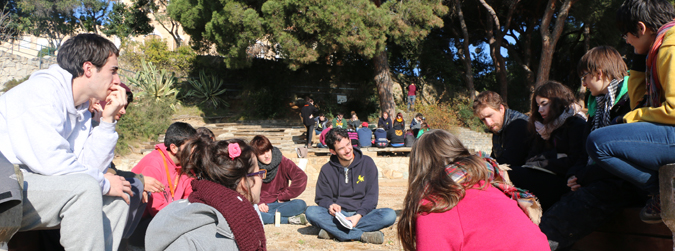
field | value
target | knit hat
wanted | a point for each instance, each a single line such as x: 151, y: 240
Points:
x: 364, y: 124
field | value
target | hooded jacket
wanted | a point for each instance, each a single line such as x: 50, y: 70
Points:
x: 198, y: 222
x: 355, y: 190
x: 42, y: 130
x: 153, y: 165
x: 396, y: 134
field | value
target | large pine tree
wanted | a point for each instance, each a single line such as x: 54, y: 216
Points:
x: 307, y: 31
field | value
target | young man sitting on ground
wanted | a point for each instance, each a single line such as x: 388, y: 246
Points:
x: 45, y: 127
x: 348, y: 184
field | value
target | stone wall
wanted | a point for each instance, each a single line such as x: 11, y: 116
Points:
x: 13, y: 66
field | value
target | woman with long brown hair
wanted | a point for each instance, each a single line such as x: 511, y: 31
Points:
x: 559, y: 145
x: 459, y: 201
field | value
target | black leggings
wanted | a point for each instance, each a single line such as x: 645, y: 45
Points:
x: 310, y: 132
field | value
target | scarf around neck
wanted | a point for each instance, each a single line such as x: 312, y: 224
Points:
x: 510, y: 116
x: 236, y: 209
x: 273, y: 166
x: 652, y: 79
x: 545, y: 130
x: 526, y: 201
x: 604, y: 104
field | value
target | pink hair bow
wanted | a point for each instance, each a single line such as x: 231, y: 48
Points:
x: 234, y: 150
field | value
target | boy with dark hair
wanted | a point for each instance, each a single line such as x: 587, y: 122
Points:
x: 163, y: 164
x: 646, y: 25
x: 381, y: 140
x: 348, y: 181
x: 45, y: 127
x: 339, y: 122
x: 510, y: 138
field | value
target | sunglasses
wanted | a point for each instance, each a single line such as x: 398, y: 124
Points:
x: 262, y: 173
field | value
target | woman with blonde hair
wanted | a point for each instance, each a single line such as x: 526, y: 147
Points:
x: 459, y: 201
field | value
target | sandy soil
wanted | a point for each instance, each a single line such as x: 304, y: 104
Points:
x: 295, y: 237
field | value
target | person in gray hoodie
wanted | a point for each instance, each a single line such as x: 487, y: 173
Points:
x: 348, y: 184
x: 219, y: 213
x: 45, y: 127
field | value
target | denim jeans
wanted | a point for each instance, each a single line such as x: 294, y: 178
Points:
x: 286, y: 209
x: 634, y: 152
x: 373, y: 221
x: 411, y: 101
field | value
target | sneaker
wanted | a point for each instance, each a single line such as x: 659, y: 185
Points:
x: 325, y: 235
x: 299, y: 219
x: 651, y: 213
x: 375, y: 237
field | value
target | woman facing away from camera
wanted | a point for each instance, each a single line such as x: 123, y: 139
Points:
x: 459, y: 201
x: 219, y: 214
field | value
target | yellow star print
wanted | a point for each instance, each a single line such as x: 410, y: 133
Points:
x: 360, y: 179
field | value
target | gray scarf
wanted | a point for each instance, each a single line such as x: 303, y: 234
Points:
x: 273, y: 166
x: 604, y: 105
x: 511, y: 115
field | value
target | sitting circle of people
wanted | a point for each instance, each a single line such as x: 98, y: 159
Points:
x: 568, y: 171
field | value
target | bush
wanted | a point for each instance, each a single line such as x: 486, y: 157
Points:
x: 157, y: 84
x: 145, y: 119
x: 12, y: 83
x: 445, y: 115
x: 207, y: 89
x: 155, y: 51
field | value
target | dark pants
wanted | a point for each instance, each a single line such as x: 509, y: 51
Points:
x: 547, y: 187
x: 310, y: 132
x: 581, y: 212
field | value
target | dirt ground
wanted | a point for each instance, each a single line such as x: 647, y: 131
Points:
x: 295, y: 237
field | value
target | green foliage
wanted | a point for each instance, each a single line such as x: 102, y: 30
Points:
x: 47, y: 51
x: 264, y: 103
x: 208, y: 89
x: 145, y: 119
x: 12, y: 83
x: 154, y: 83
x: 156, y: 51
x: 125, y: 21
x: 304, y: 31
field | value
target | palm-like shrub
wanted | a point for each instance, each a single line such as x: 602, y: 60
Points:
x: 207, y: 89
x: 158, y: 84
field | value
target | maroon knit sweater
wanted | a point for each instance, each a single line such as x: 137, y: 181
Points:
x: 237, y: 210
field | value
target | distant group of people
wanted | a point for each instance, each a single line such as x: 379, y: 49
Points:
x: 388, y: 133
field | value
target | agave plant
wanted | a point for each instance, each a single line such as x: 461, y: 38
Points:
x: 158, y: 84
x: 207, y: 89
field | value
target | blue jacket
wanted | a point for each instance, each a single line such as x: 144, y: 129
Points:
x: 356, y: 190
x: 381, y: 135
x: 365, y: 136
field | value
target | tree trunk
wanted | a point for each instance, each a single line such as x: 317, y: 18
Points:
x: 384, y: 83
x: 496, y: 36
x: 549, y: 38
x: 466, y: 57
